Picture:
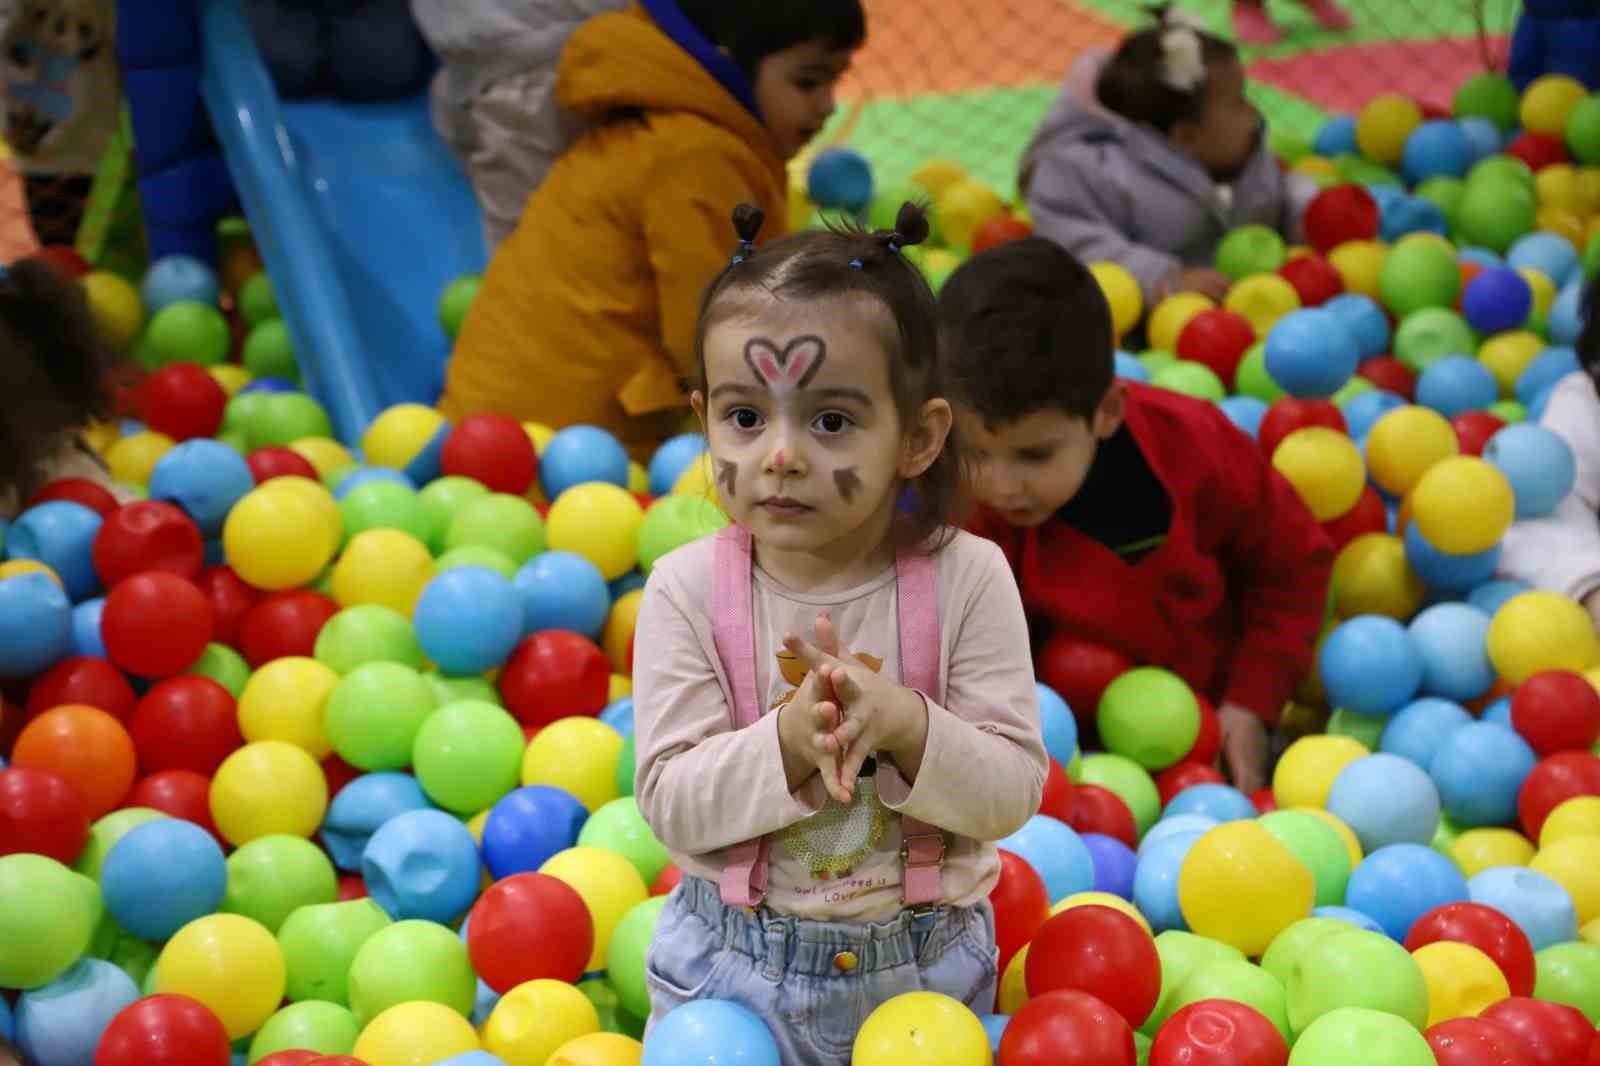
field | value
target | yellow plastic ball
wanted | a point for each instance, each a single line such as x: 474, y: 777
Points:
x: 101, y: 436
x: 382, y: 566
x: 1360, y: 266
x: 638, y: 479
x: 284, y: 700
x: 268, y: 787
x: 1404, y: 444
x: 1263, y: 299
x: 1101, y: 899
x: 276, y: 538
x: 1576, y: 817
x: 132, y: 458
x: 476, y: 823
x: 400, y: 433
x: 115, y: 305
x: 231, y: 376
x: 1548, y: 103
x: 578, y: 754
x: 1171, y: 315
x: 1239, y: 885
x: 1352, y: 843
x: 1478, y: 850
x: 1544, y: 290
x: 1590, y: 933
x: 963, y: 208
x: 1122, y: 292
x: 936, y: 176
x: 609, y: 885
x: 328, y: 456
x: 1588, y: 191
x: 316, y: 494
x: 599, y: 522
x: 18, y: 567
x: 1574, y: 864
x: 697, y: 479
x: 620, y: 686
x: 1463, y: 505
x: 415, y: 1034
x: 800, y: 205
x: 598, y: 1049
x: 922, y: 1027
x: 229, y: 963
x: 1014, y: 983
x: 1462, y: 981
x: 540, y: 434
x: 1539, y: 630
x: 1384, y: 125
x: 619, y: 630
x: 1325, y: 468
x: 1305, y: 774
x: 1565, y: 223
x: 535, y: 1020
x: 1316, y: 166
x: 1558, y: 187
x: 1372, y: 576
x: 1507, y: 355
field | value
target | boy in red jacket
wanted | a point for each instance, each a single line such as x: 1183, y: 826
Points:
x: 1133, y: 517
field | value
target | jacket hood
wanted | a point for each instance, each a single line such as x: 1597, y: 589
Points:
x: 1561, y: 9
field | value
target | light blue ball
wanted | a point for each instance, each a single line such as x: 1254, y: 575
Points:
x: 1566, y: 315
x: 1536, y: 408
x: 625, y: 584
x: 1499, y: 712
x: 1448, y: 574
x: 488, y: 999
x: 1451, y: 637
x: 1399, y: 883
x: 994, y: 1026
x: 357, y: 476
x: 161, y: 876
x: 35, y: 624
x: 1349, y: 917
x: 1336, y: 136
x: 1056, y: 853
x: 7, y: 1027
x: 619, y: 716
x: 562, y: 590
x: 1490, y: 596
x: 1455, y: 385
x: 1155, y: 881
x: 85, y: 636
x: 1175, y: 825
x: 1412, y: 214
x: 1129, y: 367
x: 1246, y: 412
x: 1547, y: 368
x: 1436, y: 149
x: 1385, y: 799
x: 205, y: 478
x: 1483, y: 257
x: 1539, y: 905
x: 1222, y: 802
x: 60, y: 1024
x: 1364, y: 409
x: 361, y: 807
x: 59, y: 534
x: 1537, y: 462
x: 422, y: 864
x: 1482, y: 134
x: 580, y: 454
x: 710, y: 1030
x: 1417, y: 731
x: 1364, y: 320
x: 841, y: 179
x: 670, y: 460
x: 1549, y: 253
x: 175, y: 278
x: 468, y: 619
x: 1114, y: 864
x: 1310, y: 353
x: 1479, y: 770
x: 1060, y: 727
x: 1370, y: 665
x: 472, y: 1058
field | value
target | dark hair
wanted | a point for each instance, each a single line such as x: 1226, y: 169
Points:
x: 1025, y: 327
x: 49, y: 369
x: 752, y: 30
x: 1133, y: 84
x: 1589, y: 339
x: 846, y: 262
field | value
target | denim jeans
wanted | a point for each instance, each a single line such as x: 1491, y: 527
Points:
x: 813, y: 982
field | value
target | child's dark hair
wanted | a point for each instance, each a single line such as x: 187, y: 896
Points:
x: 1025, y: 327
x: 752, y: 31
x: 844, y: 263
x: 1136, y: 85
x: 50, y: 369
x: 1589, y: 339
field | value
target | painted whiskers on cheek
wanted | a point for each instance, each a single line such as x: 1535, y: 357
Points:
x: 727, y: 473
x: 783, y: 370
x: 848, y: 482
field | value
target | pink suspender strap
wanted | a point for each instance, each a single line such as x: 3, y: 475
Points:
x: 917, y: 590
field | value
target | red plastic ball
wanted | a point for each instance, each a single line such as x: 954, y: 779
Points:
x: 1001, y: 229
x: 1484, y: 928
x: 183, y: 401
x: 337, y: 1060
x: 231, y: 599
x: 493, y: 449
x: 277, y: 461
x: 1218, y: 1032
x: 1057, y: 800
x: 1021, y: 905
x: 147, y: 535
x: 88, y: 748
x: 40, y: 812
x: 1079, y: 671
x: 64, y: 258
x: 164, y: 1030
x: 1390, y: 374
x: 1067, y: 1028
x: 555, y: 674
x: 1217, y: 338
x: 1314, y: 278
x: 1538, y: 150
x: 180, y: 793
x: 79, y: 490
x: 1099, y: 810
x: 351, y: 887
x: 1473, y: 430
x: 1209, y: 740
x: 1368, y: 516
x: 1556, y: 1034
x: 294, y: 1057
x: 185, y: 723
x: 1339, y: 214
x: 282, y: 624
x: 1555, y: 779
x: 1287, y: 414
x: 155, y: 624
x: 1556, y: 710
x: 1179, y: 776
x: 527, y: 927
x: 83, y: 679
x: 338, y: 774
x: 1477, y: 1042
x: 1101, y: 952
x: 1264, y: 800
x: 667, y: 880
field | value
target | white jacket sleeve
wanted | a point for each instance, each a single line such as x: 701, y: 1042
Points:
x: 1561, y: 551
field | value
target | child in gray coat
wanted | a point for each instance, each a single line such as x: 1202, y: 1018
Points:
x: 1150, y: 157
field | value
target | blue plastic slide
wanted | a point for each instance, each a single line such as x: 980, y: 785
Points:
x: 362, y: 215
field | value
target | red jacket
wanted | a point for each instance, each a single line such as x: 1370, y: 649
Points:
x: 1232, y: 601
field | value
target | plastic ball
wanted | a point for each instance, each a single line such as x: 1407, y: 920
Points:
x: 1398, y: 884
x: 529, y: 826
x: 1404, y: 444
x: 1384, y: 126
x: 421, y: 864
x: 116, y: 307
x: 1190, y: 379
x: 314, y: 1028
x: 563, y: 590
x: 1549, y: 254
x: 509, y: 524
x: 1340, y: 214
x: 410, y: 1034
x: 578, y: 455
x: 406, y: 437
x: 1149, y: 715
x: 1548, y: 102
x: 468, y: 620
x: 58, y: 534
x: 1067, y: 1028
x: 277, y: 539
x: 553, y: 674
x: 1538, y: 631
x: 384, y: 567
x: 178, y: 277
x: 674, y: 521
x: 1247, y: 250
x: 1462, y: 505
x: 1540, y: 907
x: 230, y: 964
x: 46, y: 923
x: 182, y: 401
x: 1455, y: 385
x: 1556, y: 710
x: 1241, y: 886
x: 1437, y: 148
x: 133, y: 458
x: 1571, y: 863
x: 1314, y: 279
x: 1556, y: 779
x: 265, y: 788
x: 373, y: 713
x: 320, y: 942
x: 161, y: 876
x: 1122, y: 294
x: 1325, y: 468
x: 963, y: 208
x: 272, y: 876
x: 1538, y: 464
x: 1310, y: 354
x: 86, y: 747
x: 671, y: 459
x: 410, y: 961
x: 577, y: 754
x: 1056, y: 853
x: 61, y: 1023
x: 1219, y: 1032
x: 368, y: 633
x: 185, y: 331
x: 164, y: 1030
x: 1356, y: 969
x: 1495, y: 213
x: 920, y: 1025
x: 40, y: 812
x: 1172, y: 316
x: 455, y: 302
x: 609, y: 885
x: 528, y: 927
x: 491, y: 449
x: 362, y: 807
x: 1101, y: 952
x: 1576, y: 817
x: 1385, y: 799
x: 269, y: 352
x: 1489, y: 96
x: 1370, y: 666
x: 840, y: 178
x: 286, y: 700
x: 1418, y: 274
x: 467, y: 755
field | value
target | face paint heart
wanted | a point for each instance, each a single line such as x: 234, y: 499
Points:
x: 785, y: 369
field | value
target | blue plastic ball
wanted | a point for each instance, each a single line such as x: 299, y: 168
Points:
x: 1349, y: 917
x: 1496, y: 300
x: 1545, y: 372
x: 1448, y: 574
x: 1484, y: 135
x: 670, y: 460
x: 619, y: 716
x: 174, y: 278
x: 268, y: 385
x: 1499, y: 712
x: 1539, y: 905
x: 161, y: 876
x: 840, y: 178
x: 1451, y: 637
x: 1566, y: 315
x: 527, y: 826
x: 35, y: 624
x: 1549, y: 253
x: 1155, y: 881
x: 1537, y: 462
x: 85, y: 636
x: 1481, y: 257
x: 1385, y: 799
x: 1417, y: 732
x: 994, y: 1026
x: 1310, y: 353
x: 1479, y: 770
x: 1129, y: 367
x: 1364, y: 409
x: 361, y: 807
x: 1536, y: 406
x: 1174, y: 826
x: 1455, y: 385
x: 710, y: 1030
x: 59, y: 534
x: 1336, y: 136
x: 1412, y: 214
x: 1246, y: 412
x: 60, y: 1024
x: 1113, y: 863
x: 627, y: 583
x: 1060, y: 727
x: 562, y: 590
x: 1436, y: 149
x: 1056, y: 853
x: 488, y: 999
x: 468, y: 619
x: 1490, y: 596
x: 1370, y: 666
x: 205, y: 478
x: 422, y: 864
x: 1399, y: 883
x: 357, y: 476
x: 1222, y: 802
x: 1364, y: 320
x: 472, y: 1058
x: 580, y: 454
x: 7, y: 1027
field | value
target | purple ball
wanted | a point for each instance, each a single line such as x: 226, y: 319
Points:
x: 1114, y: 865
x: 1496, y: 300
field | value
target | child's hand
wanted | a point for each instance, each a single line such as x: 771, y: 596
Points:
x: 806, y: 723
x: 1244, y: 747
x: 1210, y: 283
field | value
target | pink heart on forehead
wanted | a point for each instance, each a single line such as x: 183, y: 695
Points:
x: 787, y: 368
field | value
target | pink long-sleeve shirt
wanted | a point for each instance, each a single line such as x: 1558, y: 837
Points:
x: 703, y: 786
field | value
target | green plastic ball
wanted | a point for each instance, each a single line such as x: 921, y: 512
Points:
x: 467, y: 755
x: 386, y: 505
x: 1495, y: 214
x: 1252, y: 378
x: 476, y: 555
x: 1570, y: 974
x: 45, y: 924
x: 1368, y: 1037
x: 286, y: 417
x: 374, y: 712
x: 1149, y: 715
x: 1239, y: 981
x: 185, y: 332
x: 367, y: 633
x: 1508, y: 411
x: 320, y: 942
x: 674, y: 521
x: 1319, y: 849
x: 1288, y: 145
x: 1183, y: 954
x: 1130, y: 781
x: 456, y: 301
x: 625, y: 766
x: 122, y: 949
x: 1445, y: 836
x: 409, y: 961
x: 272, y: 875
x: 443, y: 497
x: 326, y: 1028
x: 1190, y: 379
x: 625, y: 955
x: 241, y: 413
x: 618, y: 826
x: 268, y: 352
x: 1583, y: 130
x: 1446, y: 194
x: 1418, y: 274
x: 1350, y: 390
x: 104, y: 834
x: 1500, y: 168
x: 224, y: 666
x: 1248, y: 250
x: 1359, y: 170
x: 1591, y: 258
x: 257, y: 301
x: 1490, y: 96
x: 508, y: 524
x: 448, y: 689
x: 1356, y: 968
x: 1283, y: 955
x: 1426, y: 336
x: 1366, y: 728
x: 1157, y: 360
x: 608, y: 1008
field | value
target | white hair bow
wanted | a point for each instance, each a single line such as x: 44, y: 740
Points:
x: 1183, y: 65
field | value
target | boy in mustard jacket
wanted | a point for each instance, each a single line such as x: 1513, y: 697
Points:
x: 587, y: 312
